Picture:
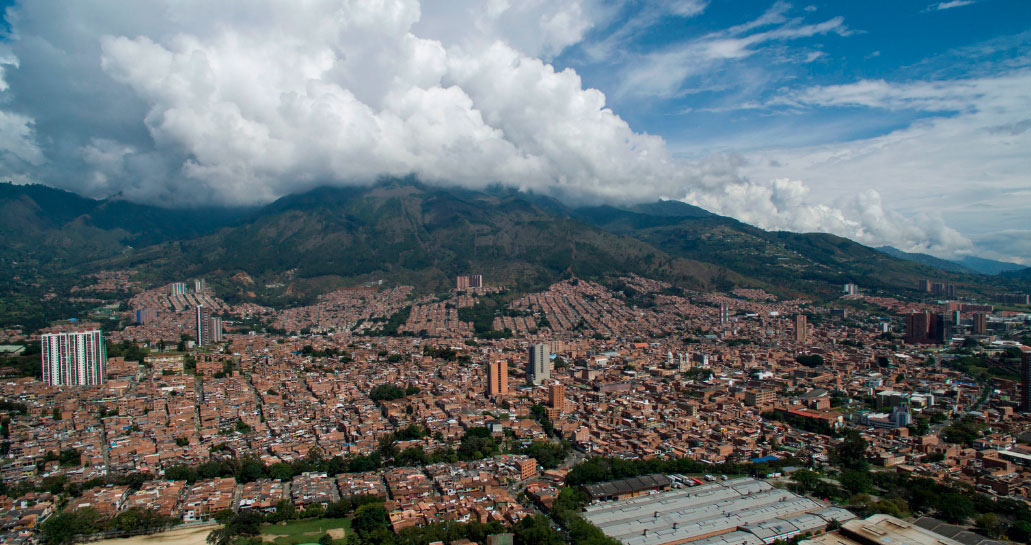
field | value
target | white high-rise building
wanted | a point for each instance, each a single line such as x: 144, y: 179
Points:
x: 538, y: 368
x: 202, y: 325
x: 74, y: 358
x: 216, y: 330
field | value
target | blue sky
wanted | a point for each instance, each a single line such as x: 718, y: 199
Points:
x: 889, y: 122
x: 766, y: 82
x: 709, y: 103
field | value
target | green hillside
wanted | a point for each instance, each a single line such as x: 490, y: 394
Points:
x: 41, y: 224
x: 404, y: 231
x: 802, y: 263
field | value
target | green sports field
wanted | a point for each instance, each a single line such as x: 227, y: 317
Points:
x: 296, y: 532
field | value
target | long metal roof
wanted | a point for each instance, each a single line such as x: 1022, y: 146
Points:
x: 725, y: 508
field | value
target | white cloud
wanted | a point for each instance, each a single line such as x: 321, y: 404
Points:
x: 785, y: 204
x: 663, y: 73
x: 926, y: 96
x: 537, y: 28
x: 1010, y: 245
x: 183, y: 102
x: 967, y: 163
x: 17, y: 139
x: 949, y: 5
x: 614, y: 43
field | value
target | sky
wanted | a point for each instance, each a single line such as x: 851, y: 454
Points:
x: 888, y: 122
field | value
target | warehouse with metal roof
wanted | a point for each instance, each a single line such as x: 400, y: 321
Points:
x: 736, y: 512
x: 627, y: 488
x: 888, y: 530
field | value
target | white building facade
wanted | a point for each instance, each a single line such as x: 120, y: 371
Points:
x: 74, y: 358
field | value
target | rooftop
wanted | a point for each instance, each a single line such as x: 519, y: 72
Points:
x: 716, y: 512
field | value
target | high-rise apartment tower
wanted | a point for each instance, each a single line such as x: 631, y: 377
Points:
x: 74, y: 358
x: 538, y: 368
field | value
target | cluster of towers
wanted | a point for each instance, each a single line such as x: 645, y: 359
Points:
x: 179, y: 288
x: 538, y: 372
x: 471, y: 281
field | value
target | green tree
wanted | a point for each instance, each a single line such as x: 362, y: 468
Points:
x: 896, y: 507
x: 805, y: 480
x: 989, y: 525
x: 181, y: 473
x: 536, y: 530
x: 386, y: 392
x: 851, y: 453
x: 370, y: 518
x: 65, y: 525
x: 477, y: 443
x: 245, y: 523
x: 281, y: 471
x: 549, y: 455
x: 412, y: 456
x: 1020, y: 531
x: 810, y: 360
x: 137, y: 519
x: 963, y: 432
x: 955, y: 507
x: 387, y: 448
x: 249, y: 470
x: 285, y: 511
x: 856, y: 482
x: 69, y: 457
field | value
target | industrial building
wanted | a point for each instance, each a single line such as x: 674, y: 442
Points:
x: 627, y: 488
x: 888, y: 530
x: 742, y: 511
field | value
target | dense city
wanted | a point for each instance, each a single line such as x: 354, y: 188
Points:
x: 637, y: 412
x: 515, y: 272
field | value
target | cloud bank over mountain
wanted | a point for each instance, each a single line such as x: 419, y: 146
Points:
x: 187, y: 102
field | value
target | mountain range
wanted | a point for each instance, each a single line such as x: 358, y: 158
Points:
x: 966, y: 264
x: 405, y: 231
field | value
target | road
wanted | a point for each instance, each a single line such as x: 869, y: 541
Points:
x: 575, y: 457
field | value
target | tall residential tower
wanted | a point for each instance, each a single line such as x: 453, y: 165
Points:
x: 1025, y: 379
x: 538, y: 368
x: 74, y: 358
x: 497, y: 378
x: 203, y: 325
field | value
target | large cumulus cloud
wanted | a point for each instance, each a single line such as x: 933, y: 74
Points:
x: 185, y: 102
